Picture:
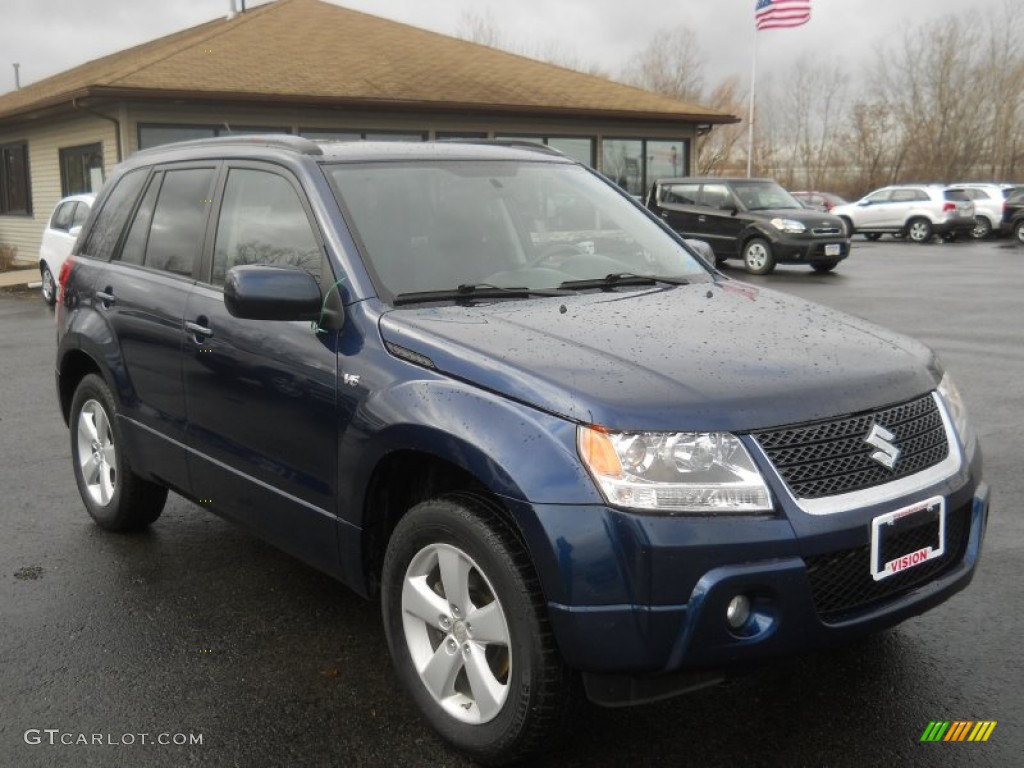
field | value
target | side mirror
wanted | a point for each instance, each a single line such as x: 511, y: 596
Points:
x: 863, y: 203
x: 258, y: 292
x: 703, y: 249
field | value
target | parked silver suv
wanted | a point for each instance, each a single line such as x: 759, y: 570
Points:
x: 917, y: 211
x: 988, y: 202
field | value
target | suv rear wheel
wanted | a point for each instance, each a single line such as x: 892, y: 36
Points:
x: 757, y: 257
x: 1018, y: 232
x: 117, y: 498
x: 982, y: 228
x: 468, y: 633
x: 919, y: 230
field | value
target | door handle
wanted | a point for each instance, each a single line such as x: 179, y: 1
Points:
x: 664, y: 214
x: 702, y: 219
x: 106, y: 297
x: 198, y: 330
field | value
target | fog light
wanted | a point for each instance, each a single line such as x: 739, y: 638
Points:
x: 738, y: 611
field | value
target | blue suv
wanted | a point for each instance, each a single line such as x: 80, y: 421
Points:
x: 481, y: 384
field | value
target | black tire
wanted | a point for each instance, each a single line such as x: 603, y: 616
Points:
x: 824, y: 266
x: 1018, y: 232
x: 872, y: 236
x: 919, y: 230
x: 757, y: 257
x: 539, y: 690
x: 848, y: 224
x: 118, y: 500
x: 48, y: 289
x: 982, y: 228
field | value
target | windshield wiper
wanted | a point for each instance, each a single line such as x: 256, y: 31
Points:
x: 466, y: 292
x: 616, y: 279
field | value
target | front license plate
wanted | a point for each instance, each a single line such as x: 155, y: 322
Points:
x: 908, y: 537
x: 833, y: 249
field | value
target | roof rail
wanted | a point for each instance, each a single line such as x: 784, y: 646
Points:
x: 533, y: 146
x: 279, y: 140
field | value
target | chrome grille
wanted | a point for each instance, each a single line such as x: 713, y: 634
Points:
x: 826, y: 458
x: 828, y: 232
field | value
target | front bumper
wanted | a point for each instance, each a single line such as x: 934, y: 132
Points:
x: 641, y: 600
x: 807, y: 250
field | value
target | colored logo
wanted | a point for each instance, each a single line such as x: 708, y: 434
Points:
x: 958, y: 730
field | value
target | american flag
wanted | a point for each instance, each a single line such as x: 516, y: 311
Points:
x: 775, y: 14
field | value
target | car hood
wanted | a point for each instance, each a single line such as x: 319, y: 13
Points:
x: 711, y: 356
x: 810, y: 218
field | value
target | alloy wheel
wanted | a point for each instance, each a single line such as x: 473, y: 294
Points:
x: 97, y: 454
x: 457, y: 633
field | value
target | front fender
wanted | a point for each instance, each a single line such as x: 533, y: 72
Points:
x: 516, y: 451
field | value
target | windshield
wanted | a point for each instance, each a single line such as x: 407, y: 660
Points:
x: 763, y: 196
x: 437, y: 225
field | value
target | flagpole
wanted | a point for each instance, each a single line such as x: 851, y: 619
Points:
x: 750, y: 111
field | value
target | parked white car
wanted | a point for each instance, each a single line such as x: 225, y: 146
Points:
x: 988, y: 202
x: 58, y: 238
x: 917, y: 211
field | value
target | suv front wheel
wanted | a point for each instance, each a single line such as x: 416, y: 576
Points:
x: 757, y: 257
x: 919, y: 230
x: 467, y: 629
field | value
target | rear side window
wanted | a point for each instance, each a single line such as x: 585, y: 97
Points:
x: 262, y: 221
x: 908, y: 195
x: 62, y: 216
x: 134, y: 249
x: 81, y: 214
x: 107, y: 228
x: 179, y: 220
x: 681, y: 194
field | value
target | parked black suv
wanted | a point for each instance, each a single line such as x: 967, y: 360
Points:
x: 1013, y: 218
x: 753, y: 219
x: 484, y: 386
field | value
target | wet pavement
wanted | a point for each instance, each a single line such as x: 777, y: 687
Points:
x: 197, y: 631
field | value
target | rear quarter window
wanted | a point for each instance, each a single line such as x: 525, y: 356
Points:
x: 107, y: 228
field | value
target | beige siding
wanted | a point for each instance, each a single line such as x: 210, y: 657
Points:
x: 44, y: 145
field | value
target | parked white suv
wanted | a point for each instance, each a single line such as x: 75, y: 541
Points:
x: 917, y: 211
x: 65, y: 223
x: 988, y: 202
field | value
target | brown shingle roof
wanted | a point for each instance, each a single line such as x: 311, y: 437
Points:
x: 314, y: 52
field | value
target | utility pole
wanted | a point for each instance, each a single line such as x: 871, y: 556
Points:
x: 17, y: 78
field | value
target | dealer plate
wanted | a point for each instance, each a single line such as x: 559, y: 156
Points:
x: 833, y: 249
x: 908, y: 537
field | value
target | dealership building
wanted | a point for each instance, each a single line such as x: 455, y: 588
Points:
x: 322, y: 71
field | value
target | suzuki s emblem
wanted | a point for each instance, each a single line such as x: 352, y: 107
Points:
x: 881, y: 438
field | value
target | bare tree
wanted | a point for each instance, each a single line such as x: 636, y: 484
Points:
x: 672, y: 64
x: 717, y: 149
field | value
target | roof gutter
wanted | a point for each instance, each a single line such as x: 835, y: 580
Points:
x: 114, y: 120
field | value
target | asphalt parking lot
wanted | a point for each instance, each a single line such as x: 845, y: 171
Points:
x: 196, y: 629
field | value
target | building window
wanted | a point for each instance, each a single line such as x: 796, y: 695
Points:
x: 353, y: 135
x: 81, y: 169
x: 579, y: 148
x: 155, y: 134
x: 15, y: 189
x: 634, y: 164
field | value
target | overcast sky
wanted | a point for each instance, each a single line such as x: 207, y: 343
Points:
x: 49, y: 36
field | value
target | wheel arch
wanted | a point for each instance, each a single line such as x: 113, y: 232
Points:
x: 74, y: 366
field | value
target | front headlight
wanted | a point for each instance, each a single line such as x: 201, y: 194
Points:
x: 955, y: 406
x: 702, y: 472
x: 789, y: 226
